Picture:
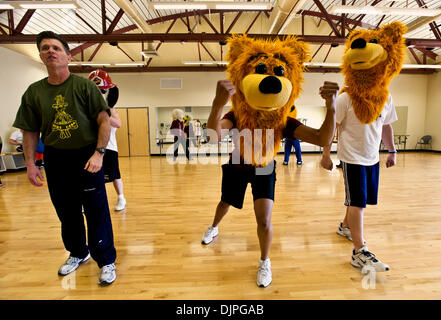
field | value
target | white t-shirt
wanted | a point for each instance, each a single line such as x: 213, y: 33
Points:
x: 359, y: 143
x: 17, y: 136
x: 111, y: 145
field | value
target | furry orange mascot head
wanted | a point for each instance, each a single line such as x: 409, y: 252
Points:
x: 372, y: 58
x: 267, y: 76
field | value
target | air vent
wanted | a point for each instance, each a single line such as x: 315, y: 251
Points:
x: 187, y: 109
x: 150, y: 53
x: 171, y: 83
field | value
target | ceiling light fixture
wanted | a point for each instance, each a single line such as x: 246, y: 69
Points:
x: 39, y: 5
x: 405, y: 66
x: 370, y: 10
x: 205, y: 62
x: 104, y: 64
x: 203, y: 5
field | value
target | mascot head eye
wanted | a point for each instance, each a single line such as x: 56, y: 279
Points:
x: 373, y: 41
x: 261, y: 68
x: 279, y: 71
x: 359, y: 43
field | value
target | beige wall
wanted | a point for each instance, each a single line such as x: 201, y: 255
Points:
x: 143, y: 90
x: 433, y: 110
x: 17, y: 72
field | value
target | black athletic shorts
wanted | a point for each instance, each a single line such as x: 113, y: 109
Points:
x: 235, y: 179
x: 111, y: 166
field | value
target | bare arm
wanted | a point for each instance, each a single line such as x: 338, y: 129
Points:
x: 224, y: 90
x: 95, y: 163
x: 326, y: 161
x: 115, y: 121
x: 30, y: 142
x: 12, y: 141
x: 387, y: 136
x: 323, y: 136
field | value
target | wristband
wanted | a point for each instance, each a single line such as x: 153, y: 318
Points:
x: 393, y: 151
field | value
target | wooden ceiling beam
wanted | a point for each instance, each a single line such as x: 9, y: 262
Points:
x: 194, y: 37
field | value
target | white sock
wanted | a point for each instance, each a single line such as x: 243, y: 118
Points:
x: 121, y: 196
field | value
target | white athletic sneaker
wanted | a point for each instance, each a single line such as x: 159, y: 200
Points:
x: 121, y: 204
x: 209, y: 235
x: 264, y: 275
x: 346, y: 232
x: 71, y: 264
x: 107, y: 275
x: 366, y: 261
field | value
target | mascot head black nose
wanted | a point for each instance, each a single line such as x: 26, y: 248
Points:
x: 270, y: 85
x: 359, y: 43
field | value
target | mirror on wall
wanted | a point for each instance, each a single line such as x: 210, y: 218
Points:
x: 161, y: 120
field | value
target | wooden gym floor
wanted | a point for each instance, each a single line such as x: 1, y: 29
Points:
x: 169, y: 207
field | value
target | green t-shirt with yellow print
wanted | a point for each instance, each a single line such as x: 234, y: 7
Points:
x: 65, y: 114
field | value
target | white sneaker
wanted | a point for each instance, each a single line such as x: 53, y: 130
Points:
x: 209, y: 235
x: 121, y: 205
x: 71, y: 264
x: 346, y: 232
x: 264, y: 275
x: 366, y: 261
x: 107, y: 275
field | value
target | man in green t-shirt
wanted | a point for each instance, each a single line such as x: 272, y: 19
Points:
x: 73, y: 119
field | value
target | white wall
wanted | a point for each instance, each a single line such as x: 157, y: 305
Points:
x: 433, y: 110
x: 17, y: 72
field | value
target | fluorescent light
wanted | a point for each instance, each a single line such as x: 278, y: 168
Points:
x: 199, y: 62
x: 202, y: 5
x: 322, y: 64
x: 205, y: 62
x: 39, y: 5
x: 370, y: 10
x: 119, y: 64
x: 405, y: 66
x: 6, y: 6
x: 421, y: 66
x: 130, y: 64
x: 243, y: 6
x: 93, y: 64
x: 179, y: 6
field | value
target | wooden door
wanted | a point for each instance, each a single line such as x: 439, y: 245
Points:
x: 138, y: 124
x: 122, y: 134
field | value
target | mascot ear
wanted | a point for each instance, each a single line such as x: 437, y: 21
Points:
x: 237, y: 44
x: 112, y: 97
x: 394, y: 31
x: 299, y: 48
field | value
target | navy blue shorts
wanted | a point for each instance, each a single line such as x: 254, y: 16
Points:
x: 361, y: 184
x: 111, y: 166
x: 235, y: 179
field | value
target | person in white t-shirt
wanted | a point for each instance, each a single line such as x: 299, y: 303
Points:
x: 110, y: 160
x: 16, y: 139
x: 358, y: 150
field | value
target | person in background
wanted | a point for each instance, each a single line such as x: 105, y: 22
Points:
x: 189, y: 136
x: 289, y: 143
x: 177, y: 129
x: 74, y: 121
x: 110, y: 160
x: 16, y: 139
x: 39, y: 154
